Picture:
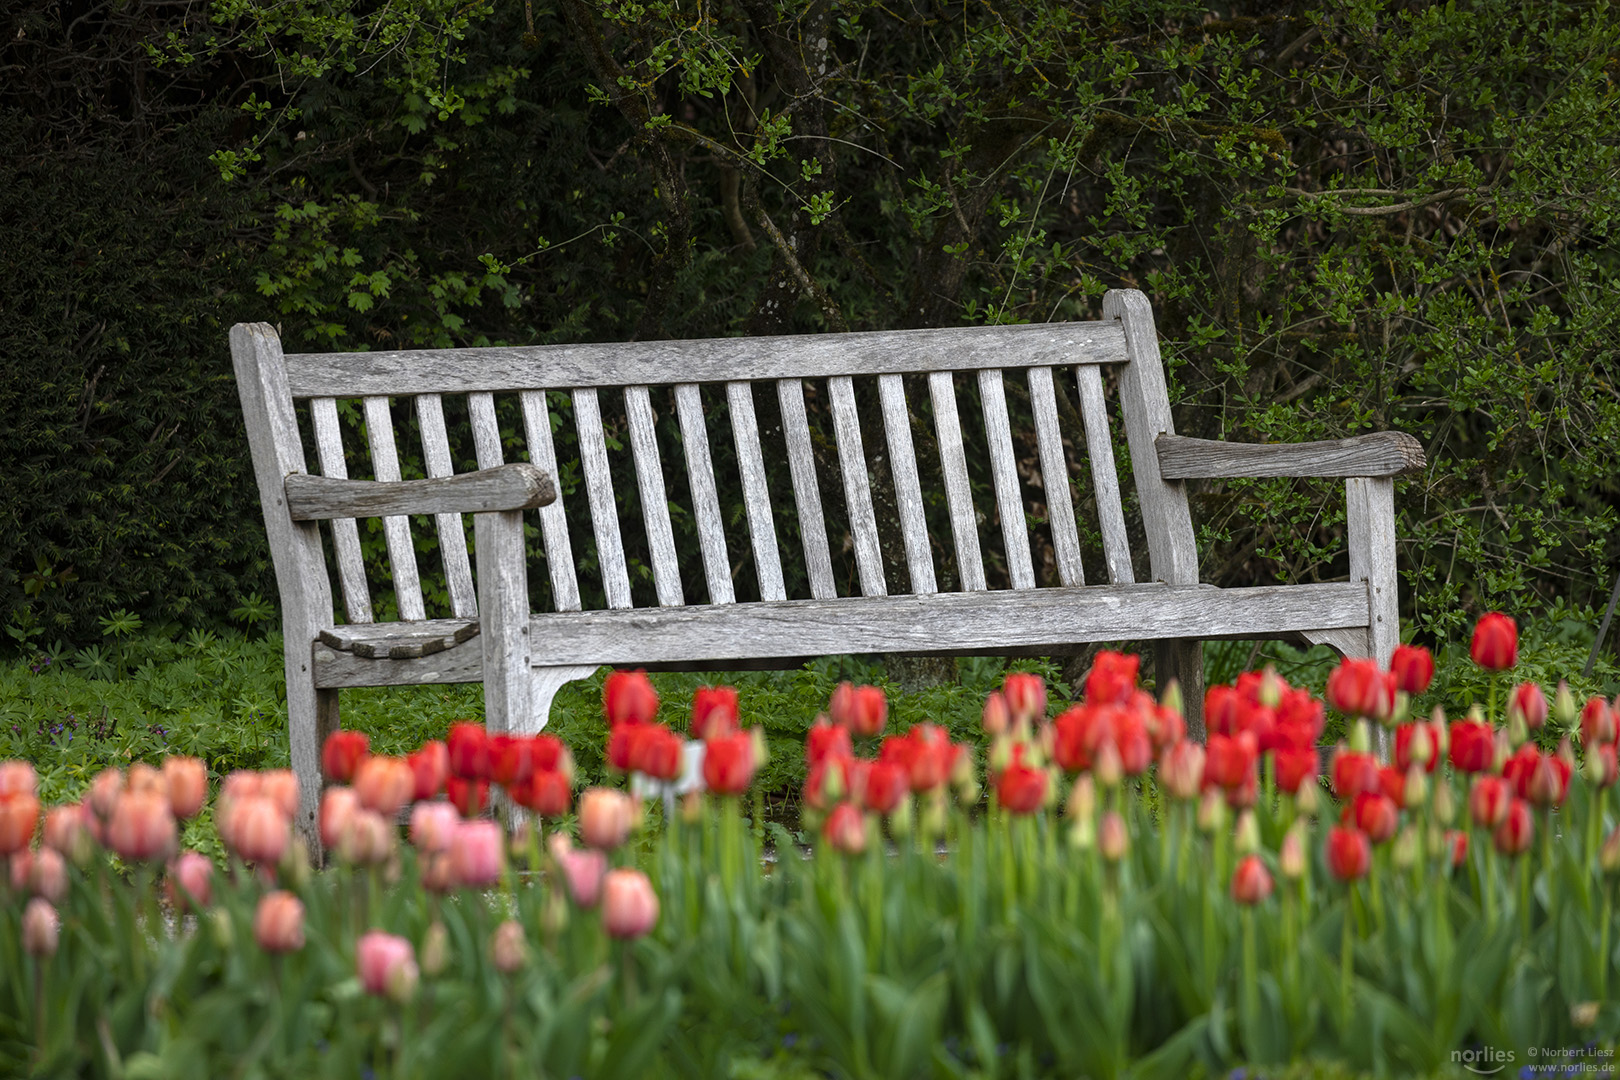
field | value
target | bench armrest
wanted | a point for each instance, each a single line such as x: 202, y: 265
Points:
x: 1382, y: 453
x: 519, y: 486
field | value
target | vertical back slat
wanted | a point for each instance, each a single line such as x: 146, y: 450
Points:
x: 705, y: 499
x: 958, y: 493
x: 1004, y: 472
x: 857, y: 485
x: 806, y: 491
x: 907, y: 490
x: 1104, y: 476
x: 553, y: 521
x: 396, y: 530
x: 1055, y: 477
x: 599, y: 490
x: 452, y: 537
x: 756, y: 496
x: 345, y: 534
x: 486, y: 430
x: 654, y: 503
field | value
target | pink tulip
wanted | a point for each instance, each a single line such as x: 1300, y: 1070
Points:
x: 191, y: 876
x: 367, y: 840
x: 18, y: 815
x: 477, y: 854
x: 280, y: 786
x: 42, y: 872
x: 187, y: 779
x: 384, y: 784
x: 40, y: 928
x: 338, y: 805
x: 142, y: 826
x: 629, y: 905
x: 387, y: 965
x: 104, y: 791
x: 605, y: 817
x: 278, y: 925
x: 433, y: 826
x: 259, y: 831
x: 507, y: 948
x: 67, y: 829
x: 582, y: 870
x: 18, y: 778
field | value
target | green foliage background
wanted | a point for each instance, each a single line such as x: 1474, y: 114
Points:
x: 1350, y: 216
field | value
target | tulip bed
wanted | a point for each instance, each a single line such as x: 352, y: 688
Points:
x: 1121, y: 901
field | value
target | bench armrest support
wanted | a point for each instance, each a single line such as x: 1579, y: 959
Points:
x: 519, y: 486
x: 1382, y: 453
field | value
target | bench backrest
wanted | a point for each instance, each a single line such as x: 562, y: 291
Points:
x: 652, y: 375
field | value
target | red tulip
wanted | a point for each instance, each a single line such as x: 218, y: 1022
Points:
x: 832, y: 779
x: 278, y: 924
x: 1111, y: 679
x: 510, y: 759
x: 1529, y: 702
x: 714, y: 711
x: 728, y: 763
x: 1473, y: 746
x: 41, y: 928
x: 1025, y: 694
x: 1251, y: 882
x: 629, y: 905
x: 142, y: 827
x: 548, y: 793
x: 1222, y: 704
x: 1348, y: 853
x: 654, y: 751
x: 430, y: 768
x: 605, y: 817
x: 628, y: 697
x: 1457, y: 841
x: 187, y: 781
x: 1131, y: 739
x: 1597, y: 722
x: 1495, y: 646
x: 1229, y: 761
x: 1517, y: 830
x: 1407, y: 736
x: 384, y: 784
x: 886, y: 785
x: 926, y: 754
x: 387, y: 965
x: 1295, y: 767
x: 19, y: 813
x: 1413, y: 668
x: 477, y: 854
x: 845, y: 829
x: 1391, y: 784
x: 1374, y: 814
x: 825, y: 739
x: 862, y: 709
x: 1076, y: 734
x: 468, y: 746
x: 468, y: 796
x: 1488, y: 801
x: 1608, y: 761
x: 1019, y: 788
x: 342, y: 754
x: 1358, y: 688
x: 997, y: 716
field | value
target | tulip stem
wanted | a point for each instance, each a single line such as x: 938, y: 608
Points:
x: 1251, y: 977
x: 39, y: 1007
x: 1346, y: 965
x: 1603, y: 942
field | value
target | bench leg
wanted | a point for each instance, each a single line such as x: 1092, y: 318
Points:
x: 1182, y: 659
x: 312, y: 715
x: 1370, y: 525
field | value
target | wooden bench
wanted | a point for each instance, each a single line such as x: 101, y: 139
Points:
x: 523, y: 657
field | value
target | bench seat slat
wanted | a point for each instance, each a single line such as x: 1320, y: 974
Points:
x: 654, y: 503
x: 705, y: 499
x: 1055, y: 477
x: 1104, y: 477
x: 643, y: 363
x: 396, y: 530
x: 345, y: 533
x: 907, y: 489
x: 452, y: 535
x: 599, y: 490
x: 1004, y: 472
x: 756, y: 496
x: 806, y: 490
x: 958, y: 492
x: 857, y: 485
x: 981, y: 622
x: 553, y: 519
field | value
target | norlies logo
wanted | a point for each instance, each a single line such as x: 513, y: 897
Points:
x: 1485, y: 1060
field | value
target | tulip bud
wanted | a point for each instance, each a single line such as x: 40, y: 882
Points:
x: 997, y: 715
x: 1595, y: 769
x: 932, y: 821
x: 1564, y: 707
x: 1251, y: 882
x: 1408, y: 845
x: 1361, y: 737
x: 1271, y: 687
x: 1566, y: 753
x: 40, y: 928
x: 1422, y: 748
x: 434, y: 956
x: 1107, y: 767
x: 1001, y: 754
x: 191, y: 875
x: 1308, y: 798
x: 554, y: 914
x: 1445, y: 802
x: 1212, y: 811
x: 1517, y: 730
x: 902, y: 819
x: 1172, y: 697
x: 1082, y: 805
x: 1476, y: 714
x: 1501, y: 750
x: 294, y: 869
x: 67, y: 829
x: 1291, y: 857
x: 1112, y: 838
x: 1401, y: 710
x: 1416, y: 788
x: 507, y: 948
x: 1609, y: 854
x: 1583, y: 1014
x: 1246, y: 834
x: 761, y: 748
x: 222, y: 929
x: 1441, y: 731
x: 1083, y: 834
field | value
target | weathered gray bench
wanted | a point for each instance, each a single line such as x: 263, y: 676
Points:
x: 523, y: 657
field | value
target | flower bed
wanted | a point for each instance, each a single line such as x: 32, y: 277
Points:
x: 1124, y: 900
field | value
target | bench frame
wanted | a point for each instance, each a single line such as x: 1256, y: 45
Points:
x: 523, y: 658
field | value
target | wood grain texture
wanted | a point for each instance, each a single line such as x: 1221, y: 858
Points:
x: 806, y: 489
x: 503, y: 603
x: 1381, y: 453
x: 1055, y: 477
x: 1004, y: 474
x: 1370, y: 536
x: 654, y: 503
x: 396, y: 529
x: 975, y: 623
x: 553, y: 518
x: 1105, y: 477
x: 593, y: 460
x: 345, y: 534
x: 907, y: 488
x: 958, y: 492
x: 705, y: 499
x: 486, y: 431
x: 452, y: 535
x: 506, y: 487
x: 644, y: 363
x: 1145, y: 402
x: 857, y: 486
x: 544, y: 682
x: 295, y: 550
x: 756, y: 496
